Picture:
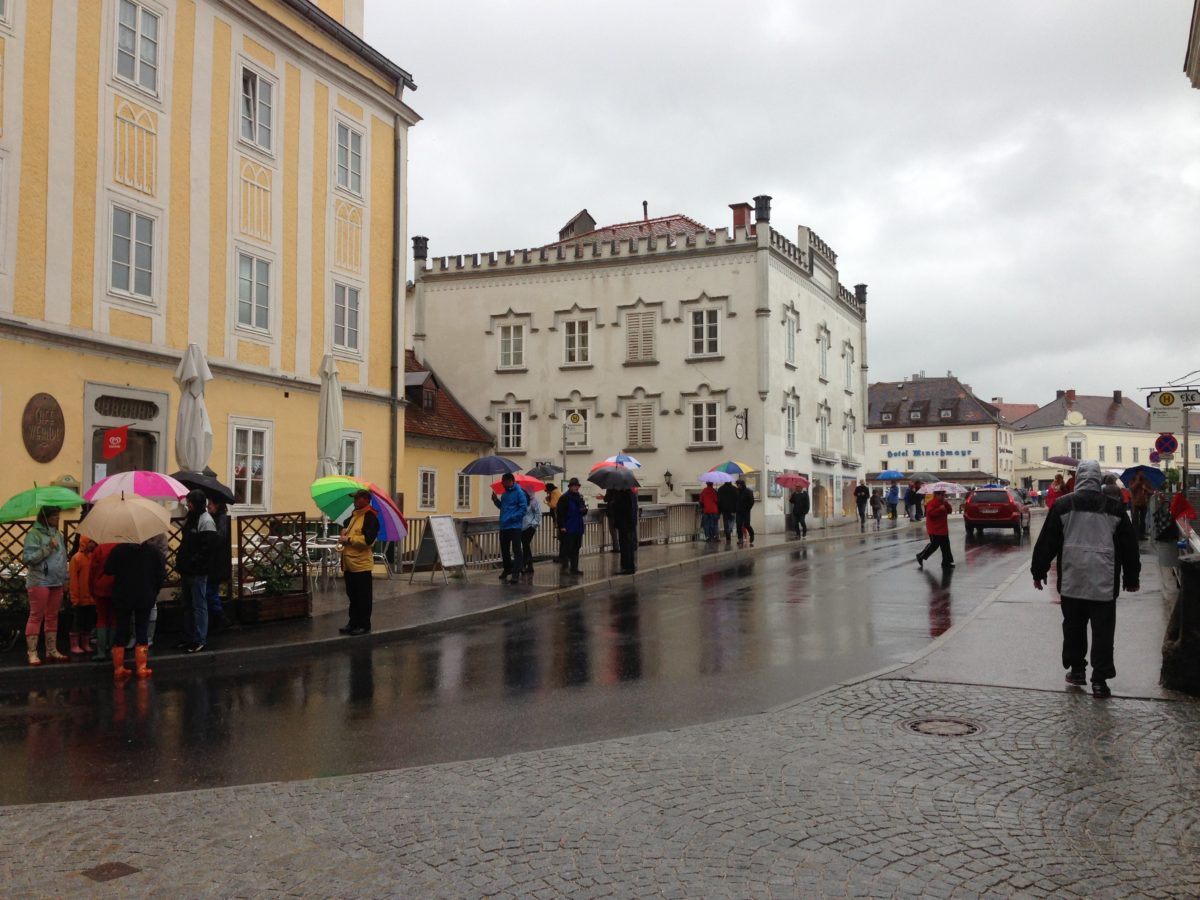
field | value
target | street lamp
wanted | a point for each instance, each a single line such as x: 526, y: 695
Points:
x: 667, y: 476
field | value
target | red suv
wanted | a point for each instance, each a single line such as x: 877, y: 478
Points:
x: 995, y: 506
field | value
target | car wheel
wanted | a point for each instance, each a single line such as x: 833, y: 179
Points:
x: 1017, y: 531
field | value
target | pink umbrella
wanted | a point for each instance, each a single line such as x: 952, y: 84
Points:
x: 791, y: 480
x: 138, y: 483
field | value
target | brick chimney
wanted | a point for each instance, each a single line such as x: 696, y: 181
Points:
x: 1117, y: 398
x: 741, y: 215
x: 1070, y: 395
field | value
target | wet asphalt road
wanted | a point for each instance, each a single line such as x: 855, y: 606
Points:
x: 728, y: 640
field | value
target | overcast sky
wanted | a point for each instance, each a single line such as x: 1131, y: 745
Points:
x: 1018, y: 183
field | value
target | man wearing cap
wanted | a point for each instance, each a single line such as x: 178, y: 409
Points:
x: 570, y: 514
x: 358, y: 561
x: 938, y: 528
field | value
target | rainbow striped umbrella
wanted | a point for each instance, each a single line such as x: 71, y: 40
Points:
x: 334, y: 496
x: 733, y: 467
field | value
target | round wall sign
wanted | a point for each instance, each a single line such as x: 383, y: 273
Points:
x: 43, y: 427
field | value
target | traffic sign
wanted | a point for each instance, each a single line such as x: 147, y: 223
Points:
x: 1155, y: 456
x: 1172, y: 399
x: 1166, y: 443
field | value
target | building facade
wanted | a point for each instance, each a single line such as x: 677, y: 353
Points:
x: 229, y: 173
x: 661, y: 338
x: 937, y: 425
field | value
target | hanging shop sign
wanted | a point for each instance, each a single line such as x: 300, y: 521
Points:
x: 43, y: 427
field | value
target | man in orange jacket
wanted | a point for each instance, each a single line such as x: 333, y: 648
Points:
x: 936, y: 512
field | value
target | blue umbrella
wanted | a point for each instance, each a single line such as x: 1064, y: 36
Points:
x: 490, y: 465
x: 890, y: 475
x: 1156, y: 477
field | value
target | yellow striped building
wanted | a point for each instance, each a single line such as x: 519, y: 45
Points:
x: 230, y: 173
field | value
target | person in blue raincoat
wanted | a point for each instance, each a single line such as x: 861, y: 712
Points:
x: 513, y: 504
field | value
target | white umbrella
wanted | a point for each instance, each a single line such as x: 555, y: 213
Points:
x: 124, y: 519
x: 193, y: 430
x: 948, y: 486
x: 329, y: 419
x: 714, y: 477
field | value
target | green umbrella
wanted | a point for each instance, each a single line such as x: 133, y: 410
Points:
x: 27, y: 503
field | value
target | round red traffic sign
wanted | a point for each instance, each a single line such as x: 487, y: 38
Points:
x: 1166, y: 443
x: 1154, y: 457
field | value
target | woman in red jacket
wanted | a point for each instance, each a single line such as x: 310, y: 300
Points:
x: 939, y: 531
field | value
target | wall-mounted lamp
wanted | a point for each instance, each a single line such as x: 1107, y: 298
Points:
x: 667, y: 476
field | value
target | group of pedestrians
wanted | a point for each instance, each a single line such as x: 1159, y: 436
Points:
x: 113, y: 588
x: 727, y: 509
x: 521, y: 515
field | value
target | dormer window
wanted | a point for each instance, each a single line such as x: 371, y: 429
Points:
x: 915, y: 415
x: 946, y: 413
x: 886, y: 417
x: 428, y: 398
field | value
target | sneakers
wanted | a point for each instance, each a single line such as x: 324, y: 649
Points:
x: 1077, y: 676
x: 1100, y: 690
x: 194, y: 647
x: 920, y: 562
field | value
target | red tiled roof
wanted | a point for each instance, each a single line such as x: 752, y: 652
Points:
x: 1014, y: 411
x: 663, y: 226
x: 447, y: 421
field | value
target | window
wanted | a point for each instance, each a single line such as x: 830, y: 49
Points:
x: 348, y: 464
x: 512, y: 346
x: 639, y: 424
x: 883, y: 465
x: 704, y: 422
x: 910, y: 465
x: 575, y: 427
x: 137, y: 45
x: 3, y: 10
x: 915, y: 415
x: 851, y: 434
x: 576, y: 342
x: 1045, y: 453
x: 974, y: 437
x: 132, y: 253
x: 1075, y: 449
x: 910, y: 438
x: 974, y: 464
x: 1100, y: 453
x: 823, y: 429
x: 462, y: 493
x: 886, y: 417
x: 848, y: 355
x: 943, y: 464
x: 639, y: 336
x: 349, y: 159
x: 256, y: 109
x: 254, y: 292
x: 943, y: 437
x: 345, y: 317
x: 945, y: 413
x: 250, y: 476
x: 823, y: 351
x: 883, y: 440
x: 789, y: 339
x: 428, y: 399
x: 1024, y: 455
x: 512, y: 429
x: 790, y: 426
x: 705, y: 332
x: 427, y: 489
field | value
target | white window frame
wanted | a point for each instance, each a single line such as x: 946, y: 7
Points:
x: 352, y: 130
x: 824, y: 341
x: 1024, y: 455
x: 851, y: 429
x: 945, y: 413
x: 848, y: 353
x: 260, y: 80
x: 516, y: 339
x: 507, y: 419
x: 883, y: 440
x: 943, y: 437
x: 135, y: 81
x: 709, y: 412
x: 256, y: 259
x: 789, y: 425
x: 823, y: 424
x: 427, y: 499
x: 267, y: 427
x: 975, y: 437
x: 639, y: 416
x: 135, y: 212
x: 1100, y: 453
x: 914, y: 415
x: 943, y: 464
x: 1075, y: 447
x: 910, y: 438
x: 708, y: 344
x: 464, y: 493
x: 885, y: 417
x: 577, y: 342
x: 790, y: 326
x: 352, y: 441
x: 342, y: 343
x: 911, y: 465
x: 587, y: 413
x: 975, y: 464
x: 644, y: 348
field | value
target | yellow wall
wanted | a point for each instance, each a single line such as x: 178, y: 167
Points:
x: 448, y: 463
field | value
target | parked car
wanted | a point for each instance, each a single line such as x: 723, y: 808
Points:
x: 995, y: 506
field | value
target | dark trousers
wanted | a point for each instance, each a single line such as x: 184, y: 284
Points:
x: 141, y: 624
x: 358, y: 590
x: 743, y: 527
x: 84, y: 618
x: 801, y: 525
x: 510, y: 551
x: 570, y: 550
x: 727, y: 520
x: 628, y: 548
x: 938, y: 542
x: 527, y: 548
x: 1139, y: 520
x: 862, y: 511
x: 614, y: 536
x: 1103, y: 616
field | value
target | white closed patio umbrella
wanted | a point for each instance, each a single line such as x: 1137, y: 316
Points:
x: 193, y: 430
x: 329, y: 419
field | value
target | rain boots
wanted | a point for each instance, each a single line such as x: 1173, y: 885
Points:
x: 120, y: 673
x: 52, y: 654
x: 103, y: 640
x: 76, y: 645
x: 31, y: 648
x: 141, y: 655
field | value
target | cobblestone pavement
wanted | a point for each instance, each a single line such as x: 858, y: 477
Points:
x: 1059, y: 795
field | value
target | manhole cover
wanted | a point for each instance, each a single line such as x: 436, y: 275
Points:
x: 942, y: 726
x: 109, y: 870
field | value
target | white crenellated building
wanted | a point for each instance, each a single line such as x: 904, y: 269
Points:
x: 678, y: 344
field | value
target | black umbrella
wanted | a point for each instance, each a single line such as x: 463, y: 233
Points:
x: 544, y: 471
x: 614, y: 478
x: 212, y: 488
x: 490, y: 465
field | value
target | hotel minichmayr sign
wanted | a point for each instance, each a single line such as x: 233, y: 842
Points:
x: 892, y: 454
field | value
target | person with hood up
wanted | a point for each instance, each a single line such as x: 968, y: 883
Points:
x: 801, y: 504
x: 1093, y: 541
x: 45, y: 557
x: 727, y: 502
x: 893, y: 500
x: 745, y: 503
x: 83, y: 607
x: 529, y: 527
x: 198, y: 540
x: 938, y: 529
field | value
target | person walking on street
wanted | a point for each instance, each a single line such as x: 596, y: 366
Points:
x: 1096, y: 549
x: 861, y: 495
x: 727, y: 502
x: 800, y: 507
x: 710, y: 509
x: 571, y: 516
x: 193, y: 560
x: 358, y: 562
x: 745, y: 503
x: 1057, y: 489
x: 1139, y: 495
x: 513, y: 504
x: 529, y: 527
x: 138, y: 574
x: 45, y: 558
x: 938, y: 529
x: 83, y: 607
x: 918, y: 501
x: 893, y: 500
x: 623, y: 511
x: 877, y: 506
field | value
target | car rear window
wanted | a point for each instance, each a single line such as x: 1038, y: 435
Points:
x: 991, y: 497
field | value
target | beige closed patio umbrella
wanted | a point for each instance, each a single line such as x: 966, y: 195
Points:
x: 193, y: 430
x: 330, y: 419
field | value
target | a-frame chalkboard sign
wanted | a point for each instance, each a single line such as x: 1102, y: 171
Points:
x: 439, y: 548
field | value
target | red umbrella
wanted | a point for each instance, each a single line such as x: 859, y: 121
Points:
x: 791, y: 480
x: 530, y: 484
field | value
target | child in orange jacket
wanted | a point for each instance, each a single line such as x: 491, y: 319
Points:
x: 83, y: 607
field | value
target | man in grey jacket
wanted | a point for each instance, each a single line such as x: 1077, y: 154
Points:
x: 1097, y: 552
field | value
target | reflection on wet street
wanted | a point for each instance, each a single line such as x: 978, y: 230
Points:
x: 721, y: 640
